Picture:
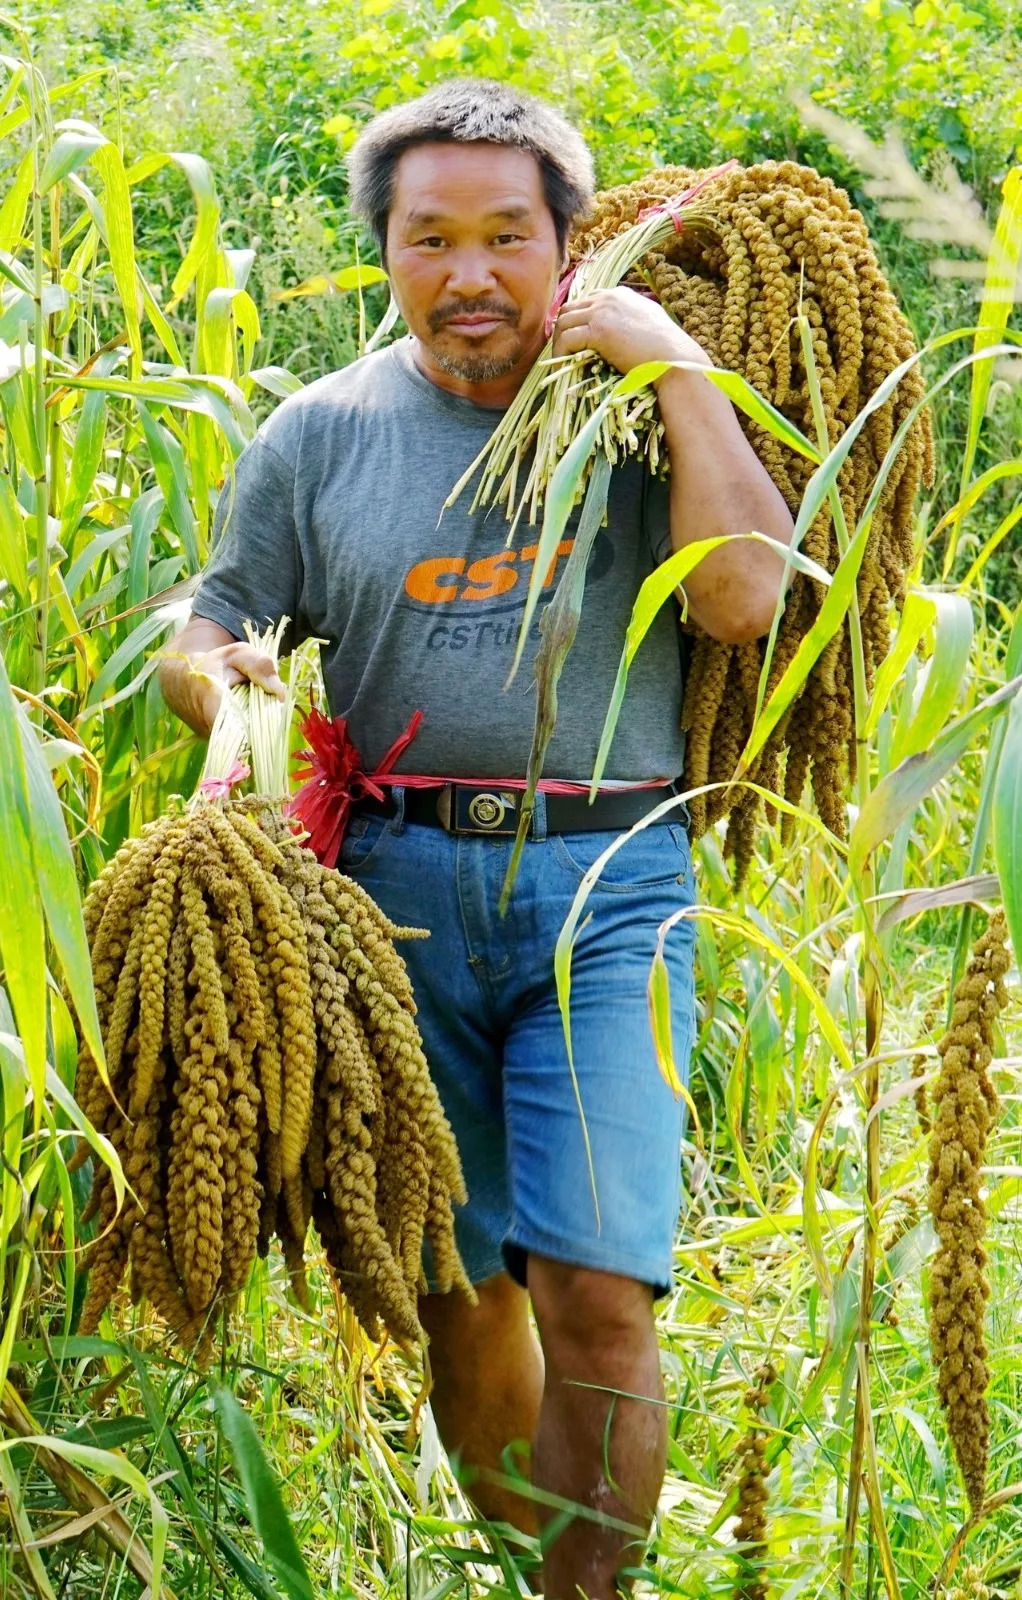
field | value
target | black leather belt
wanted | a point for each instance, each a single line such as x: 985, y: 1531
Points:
x: 472, y: 808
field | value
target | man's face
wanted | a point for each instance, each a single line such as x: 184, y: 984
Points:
x: 473, y: 258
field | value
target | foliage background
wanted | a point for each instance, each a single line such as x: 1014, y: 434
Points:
x: 272, y: 95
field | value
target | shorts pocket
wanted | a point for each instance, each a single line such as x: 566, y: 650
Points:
x: 363, y: 838
x: 659, y: 855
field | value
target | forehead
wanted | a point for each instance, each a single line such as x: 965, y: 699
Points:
x: 460, y: 180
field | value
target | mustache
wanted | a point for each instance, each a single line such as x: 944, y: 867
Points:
x: 470, y: 308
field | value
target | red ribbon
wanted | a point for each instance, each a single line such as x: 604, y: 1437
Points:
x: 220, y: 788
x: 335, y: 780
x: 559, y: 299
x: 672, y: 208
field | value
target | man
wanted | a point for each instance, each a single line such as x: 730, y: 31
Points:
x: 337, y: 522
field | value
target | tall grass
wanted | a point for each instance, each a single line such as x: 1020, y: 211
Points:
x: 804, y: 1238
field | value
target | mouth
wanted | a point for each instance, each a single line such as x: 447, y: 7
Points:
x: 475, y: 326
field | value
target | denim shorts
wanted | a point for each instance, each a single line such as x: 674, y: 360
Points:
x: 491, y: 1027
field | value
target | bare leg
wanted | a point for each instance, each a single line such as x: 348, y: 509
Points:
x: 487, y: 1384
x: 593, y: 1448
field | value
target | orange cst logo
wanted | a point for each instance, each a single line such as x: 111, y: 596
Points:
x: 442, y: 579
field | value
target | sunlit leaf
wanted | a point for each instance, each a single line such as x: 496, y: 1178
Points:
x: 897, y: 796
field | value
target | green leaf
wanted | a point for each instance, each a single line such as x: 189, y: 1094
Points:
x: 829, y: 619
x: 107, y: 1464
x: 360, y: 277
x: 22, y: 937
x: 262, y: 1497
x: 896, y: 797
x: 87, y: 455
x: 69, y: 151
x: 169, y: 466
x: 916, y: 616
x: 120, y: 237
x: 276, y: 380
x: 946, y: 669
x: 213, y: 396
x: 13, y: 538
x: 995, y: 308
x: 200, y: 181
x: 839, y: 597
x: 655, y: 590
x: 57, y: 883
x: 98, y: 1142
x: 912, y: 902
x: 558, y: 627
x: 1007, y: 824
x: 123, y: 656
x: 12, y: 212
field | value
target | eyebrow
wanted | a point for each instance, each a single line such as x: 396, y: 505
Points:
x: 514, y: 211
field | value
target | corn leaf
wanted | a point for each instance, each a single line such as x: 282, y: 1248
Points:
x: 120, y: 239
x: 200, y: 181
x: 87, y: 455
x: 169, y: 465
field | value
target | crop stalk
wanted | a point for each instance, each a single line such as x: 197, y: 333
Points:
x: 873, y: 998
x: 41, y: 487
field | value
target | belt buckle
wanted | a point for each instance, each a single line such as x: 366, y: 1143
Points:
x: 480, y: 811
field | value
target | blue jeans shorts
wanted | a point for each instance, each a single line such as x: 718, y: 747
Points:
x: 491, y: 1027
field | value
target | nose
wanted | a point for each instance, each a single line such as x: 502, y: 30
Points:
x: 470, y: 272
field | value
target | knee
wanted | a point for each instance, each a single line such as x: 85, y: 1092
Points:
x: 589, y: 1318
x: 462, y: 1336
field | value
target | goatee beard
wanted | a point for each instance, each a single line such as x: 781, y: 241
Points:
x: 476, y: 369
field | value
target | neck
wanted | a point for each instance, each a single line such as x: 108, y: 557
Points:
x: 497, y: 393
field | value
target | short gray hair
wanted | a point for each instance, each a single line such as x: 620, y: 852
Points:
x: 472, y: 110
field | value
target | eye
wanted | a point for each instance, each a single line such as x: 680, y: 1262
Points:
x: 432, y: 242
x: 508, y: 238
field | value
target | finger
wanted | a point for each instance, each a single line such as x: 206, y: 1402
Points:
x: 572, y: 315
x: 262, y: 670
x: 571, y: 341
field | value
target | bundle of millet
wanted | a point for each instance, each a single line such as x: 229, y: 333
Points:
x: 965, y: 1104
x: 751, y: 1523
x: 267, y: 1071
x: 753, y: 247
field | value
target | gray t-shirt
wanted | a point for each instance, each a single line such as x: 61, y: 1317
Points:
x: 336, y: 522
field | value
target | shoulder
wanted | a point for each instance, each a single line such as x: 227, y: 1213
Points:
x: 367, y: 385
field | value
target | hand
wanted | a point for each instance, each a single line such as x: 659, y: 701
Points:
x: 213, y: 671
x: 626, y: 329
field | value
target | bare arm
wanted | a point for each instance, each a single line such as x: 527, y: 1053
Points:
x: 719, y: 486
x: 201, y: 662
